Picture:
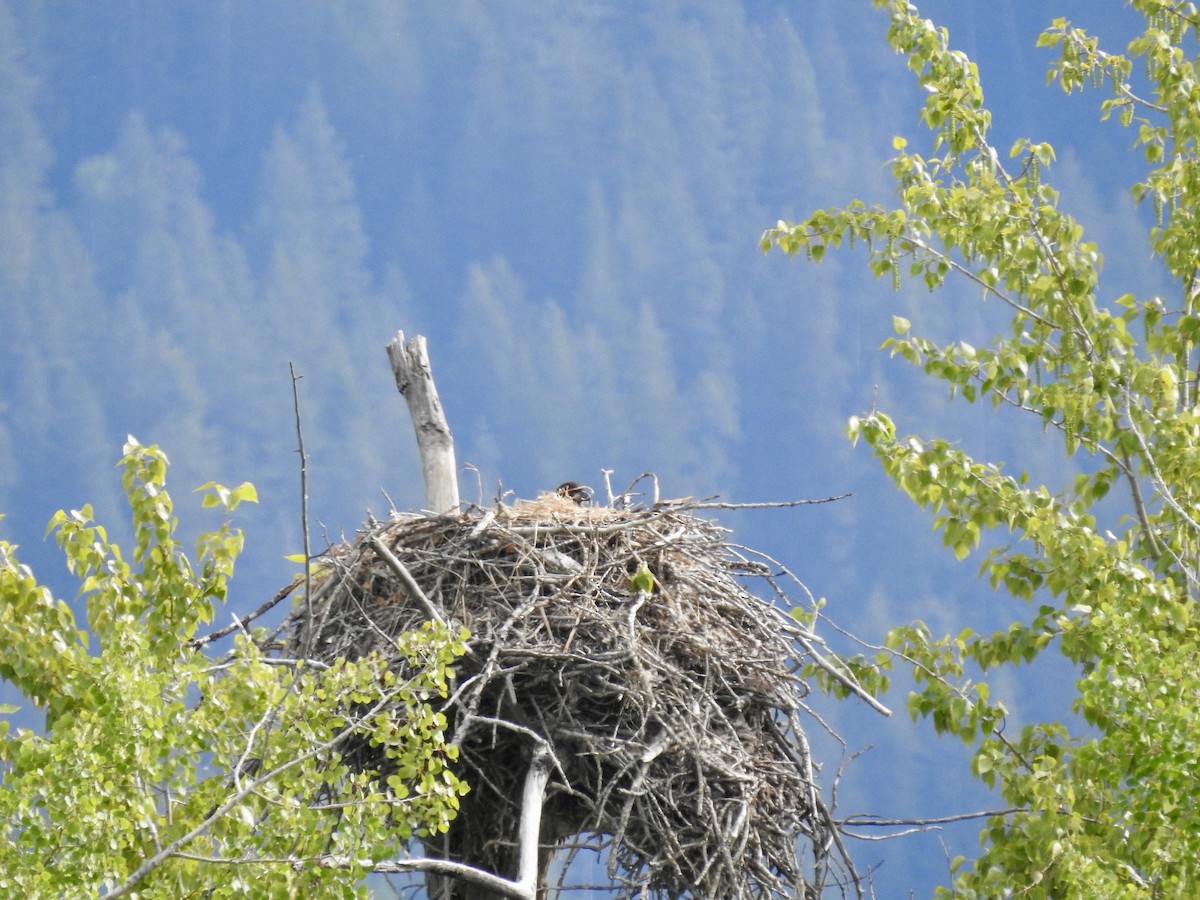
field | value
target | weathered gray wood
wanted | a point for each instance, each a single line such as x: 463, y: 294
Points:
x: 532, y: 865
x: 414, y: 378
x: 454, y: 880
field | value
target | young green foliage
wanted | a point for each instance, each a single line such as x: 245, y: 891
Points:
x: 642, y: 580
x: 130, y: 790
x: 1106, y: 810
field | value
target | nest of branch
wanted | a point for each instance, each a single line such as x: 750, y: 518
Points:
x: 672, y: 715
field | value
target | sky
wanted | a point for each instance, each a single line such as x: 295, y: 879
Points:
x: 566, y: 200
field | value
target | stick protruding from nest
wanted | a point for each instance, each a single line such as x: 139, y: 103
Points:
x: 414, y: 379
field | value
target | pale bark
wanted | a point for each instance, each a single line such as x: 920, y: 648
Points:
x: 414, y: 378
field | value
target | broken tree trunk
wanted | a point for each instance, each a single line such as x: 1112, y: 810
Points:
x: 414, y: 378
x: 463, y: 878
x: 474, y: 879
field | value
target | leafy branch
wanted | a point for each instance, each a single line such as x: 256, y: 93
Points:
x: 125, y: 790
x: 1100, y: 810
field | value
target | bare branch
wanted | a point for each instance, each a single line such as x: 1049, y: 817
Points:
x: 414, y: 379
x: 303, y: 505
x: 912, y: 826
x: 767, y: 505
x: 406, y: 578
x: 240, y: 623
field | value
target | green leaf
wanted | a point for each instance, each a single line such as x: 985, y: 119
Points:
x: 642, y: 581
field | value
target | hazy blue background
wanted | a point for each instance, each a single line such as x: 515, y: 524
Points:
x: 566, y: 198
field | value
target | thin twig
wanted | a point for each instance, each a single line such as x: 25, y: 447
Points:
x: 911, y: 826
x: 764, y: 505
x: 867, y: 820
x: 308, y: 611
x: 237, y: 624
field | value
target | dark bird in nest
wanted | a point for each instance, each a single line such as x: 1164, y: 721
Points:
x: 574, y: 491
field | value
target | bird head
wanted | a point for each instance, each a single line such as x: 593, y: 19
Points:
x: 574, y: 491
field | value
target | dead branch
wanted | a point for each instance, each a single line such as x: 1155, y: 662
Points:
x: 414, y: 378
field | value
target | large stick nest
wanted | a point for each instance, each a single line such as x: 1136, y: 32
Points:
x: 673, y: 716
